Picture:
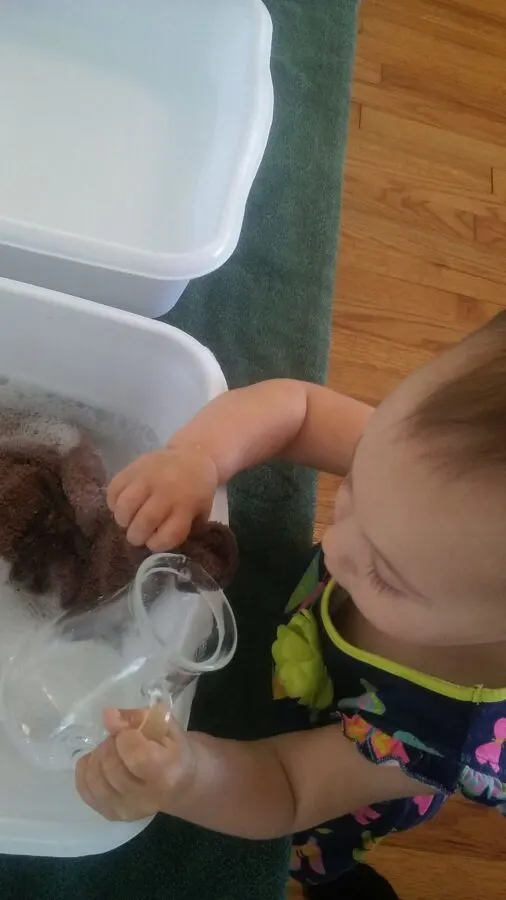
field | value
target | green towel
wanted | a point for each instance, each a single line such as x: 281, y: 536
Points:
x: 266, y: 313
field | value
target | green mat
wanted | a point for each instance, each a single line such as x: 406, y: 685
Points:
x: 266, y: 313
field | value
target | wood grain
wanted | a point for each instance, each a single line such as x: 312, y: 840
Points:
x: 422, y: 262
x: 499, y: 183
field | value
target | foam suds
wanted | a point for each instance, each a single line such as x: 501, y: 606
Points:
x: 35, y: 429
x: 119, y: 439
x: 20, y: 614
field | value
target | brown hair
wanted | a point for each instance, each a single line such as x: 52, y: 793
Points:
x: 466, y: 415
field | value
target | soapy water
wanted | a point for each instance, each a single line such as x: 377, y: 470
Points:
x: 53, y: 697
x: 119, y: 439
x: 54, y: 720
x: 120, y: 655
x: 54, y: 692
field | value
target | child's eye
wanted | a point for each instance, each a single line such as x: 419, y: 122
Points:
x: 379, y: 583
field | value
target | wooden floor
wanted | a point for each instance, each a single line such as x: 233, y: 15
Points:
x: 423, y: 261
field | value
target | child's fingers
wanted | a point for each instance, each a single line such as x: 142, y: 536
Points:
x: 156, y: 723
x: 146, y: 760
x: 93, y: 786
x: 85, y: 792
x: 124, y: 782
x: 172, y: 532
x: 121, y: 756
x: 148, y: 519
x: 131, y: 499
x: 118, y: 484
x: 116, y: 720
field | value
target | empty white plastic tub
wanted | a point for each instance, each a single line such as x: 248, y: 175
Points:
x: 128, y: 366
x: 130, y: 135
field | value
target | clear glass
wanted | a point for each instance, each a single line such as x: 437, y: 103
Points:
x: 142, y: 646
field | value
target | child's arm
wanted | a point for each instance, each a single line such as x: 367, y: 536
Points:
x: 256, y: 790
x: 304, y: 423
x: 159, y: 496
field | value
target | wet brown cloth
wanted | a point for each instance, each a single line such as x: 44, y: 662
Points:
x: 56, y: 531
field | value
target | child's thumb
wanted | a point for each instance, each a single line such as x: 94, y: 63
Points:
x: 152, y: 722
x: 116, y: 720
x: 145, y: 759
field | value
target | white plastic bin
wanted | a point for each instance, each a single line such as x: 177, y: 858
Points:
x: 130, y: 135
x: 132, y: 367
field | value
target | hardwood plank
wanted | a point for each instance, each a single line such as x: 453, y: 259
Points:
x: 483, y: 99
x: 376, y: 336
x: 402, y: 159
x: 464, y: 27
x: 441, y: 250
x: 367, y: 70
x: 491, y: 231
x: 355, y: 115
x: 420, y: 52
x: 492, y: 10
x: 433, y: 140
x: 376, y: 358
x: 400, y: 199
x: 499, y: 183
x: 372, y: 255
x: 455, y: 214
x: 382, y: 294
x: 421, y: 100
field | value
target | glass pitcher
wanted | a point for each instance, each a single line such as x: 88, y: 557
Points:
x: 142, y: 646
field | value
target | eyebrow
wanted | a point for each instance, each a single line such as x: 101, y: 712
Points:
x: 348, y: 480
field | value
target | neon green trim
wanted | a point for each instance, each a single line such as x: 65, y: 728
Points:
x: 477, y: 694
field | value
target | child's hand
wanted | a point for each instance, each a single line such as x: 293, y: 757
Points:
x: 131, y: 777
x: 160, y: 495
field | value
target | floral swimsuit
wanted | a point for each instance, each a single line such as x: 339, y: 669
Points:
x: 445, y: 735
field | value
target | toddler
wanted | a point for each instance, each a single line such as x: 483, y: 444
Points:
x: 390, y: 668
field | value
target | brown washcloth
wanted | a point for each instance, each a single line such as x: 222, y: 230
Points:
x: 56, y: 531
x: 214, y: 546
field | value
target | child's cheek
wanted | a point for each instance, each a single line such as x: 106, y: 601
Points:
x: 347, y: 566
x: 328, y: 553
x: 340, y: 555
x: 342, y: 505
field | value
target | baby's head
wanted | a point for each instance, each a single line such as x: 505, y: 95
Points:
x: 419, y: 538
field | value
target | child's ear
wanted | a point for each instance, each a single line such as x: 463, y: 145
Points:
x: 214, y: 547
